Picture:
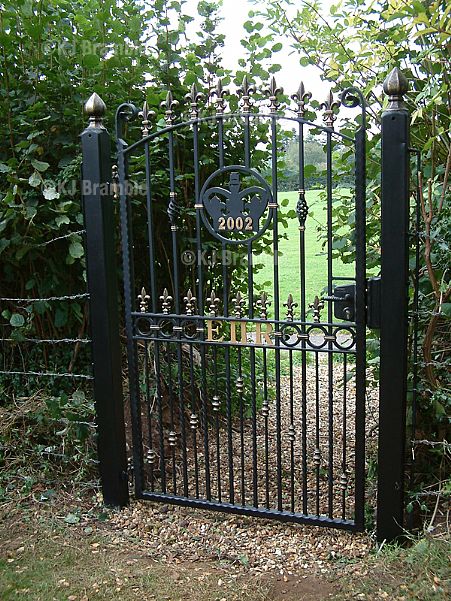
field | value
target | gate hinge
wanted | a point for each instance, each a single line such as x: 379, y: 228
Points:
x: 344, y: 302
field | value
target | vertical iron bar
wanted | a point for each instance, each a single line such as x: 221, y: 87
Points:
x: 344, y: 435
x: 103, y: 308
x: 330, y: 357
x: 200, y: 296
x: 149, y: 411
x: 153, y: 301
x: 276, y: 308
x: 394, y: 309
x: 360, y: 323
x: 194, y: 411
x: 291, y: 432
x: 129, y: 298
x: 228, y: 386
x: 175, y: 261
x: 303, y: 317
x: 317, y: 456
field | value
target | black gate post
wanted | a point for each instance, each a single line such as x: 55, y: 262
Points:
x: 394, y: 306
x: 103, y: 305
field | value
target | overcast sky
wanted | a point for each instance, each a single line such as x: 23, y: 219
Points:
x: 235, y: 13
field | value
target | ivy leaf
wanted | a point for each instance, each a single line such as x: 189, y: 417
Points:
x: 34, y: 179
x: 50, y: 193
x: 76, y: 250
x: 40, y: 165
x: 17, y: 320
x: 4, y: 168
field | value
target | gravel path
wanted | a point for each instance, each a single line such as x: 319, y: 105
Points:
x: 184, y: 534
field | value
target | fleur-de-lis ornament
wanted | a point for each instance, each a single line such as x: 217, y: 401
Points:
x: 272, y: 92
x: 317, y: 306
x: 213, y: 302
x: 290, y: 305
x: 329, y: 105
x: 166, y: 301
x: 190, y: 302
x: 263, y: 304
x: 169, y: 104
x: 144, y: 299
x: 245, y: 92
x: 194, y: 96
x: 219, y: 92
x: 301, y: 97
x: 238, y: 302
x: 145, y: 115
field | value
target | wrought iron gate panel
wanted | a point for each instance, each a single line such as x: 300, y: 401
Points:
x: 216, y: 424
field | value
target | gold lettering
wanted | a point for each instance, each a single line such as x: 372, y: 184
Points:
x: 213, y: 331
x: 266, y: 333
x: 243, y: 330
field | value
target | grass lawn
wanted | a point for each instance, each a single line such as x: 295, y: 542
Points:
x: 316, y: 256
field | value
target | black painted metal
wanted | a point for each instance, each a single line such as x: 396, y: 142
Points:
x: 103, y: 309
x: 211, y: 402
x: 394, y: 321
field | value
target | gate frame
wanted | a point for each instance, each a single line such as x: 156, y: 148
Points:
x: 102, y: 286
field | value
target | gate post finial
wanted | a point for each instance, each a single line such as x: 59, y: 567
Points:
x: 95, y: 108
x: 395, y: 86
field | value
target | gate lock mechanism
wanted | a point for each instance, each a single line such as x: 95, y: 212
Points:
x: 344, y: 302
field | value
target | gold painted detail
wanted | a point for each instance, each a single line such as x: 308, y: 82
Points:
x: 166, y: 301
x: 190, y: 302
x: 239, y: 332
x: 144, y: 299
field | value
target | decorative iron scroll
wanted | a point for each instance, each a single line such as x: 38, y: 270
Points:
x: 237, y: 208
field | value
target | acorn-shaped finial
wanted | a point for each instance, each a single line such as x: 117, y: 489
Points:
x: 395, y: 86
x: 95, y: 108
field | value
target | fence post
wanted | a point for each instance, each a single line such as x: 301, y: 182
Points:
x: 103, y: 305
x: 394, y: 306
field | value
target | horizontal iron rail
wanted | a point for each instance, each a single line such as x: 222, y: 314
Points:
x: 339, y: 325
x: 309, y: 348
x: 283, y: 516
x: 227, y: 116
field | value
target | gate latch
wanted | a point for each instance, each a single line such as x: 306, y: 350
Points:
x: 344, y: 302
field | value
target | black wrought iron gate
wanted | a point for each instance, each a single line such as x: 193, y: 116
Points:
x: 241, y: 400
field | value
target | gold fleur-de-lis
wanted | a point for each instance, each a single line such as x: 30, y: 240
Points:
x: 245, y: 92
x: 169, y: 104
x: 263, y: 304
x: 194, y: 96
x: 290, y: 305
x: 213, y: 302
x: 317, y: 306
x: 166, y: 301
x: 219, y: 92
x: 145, y: 114
x: 144, y: 299
x: 238, y: 302
x: 301, y: 97
x: 190, y: 302
x: 272, y: 92
x: 329, y: 105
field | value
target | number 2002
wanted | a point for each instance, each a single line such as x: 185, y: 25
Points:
x: 238, y: 223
